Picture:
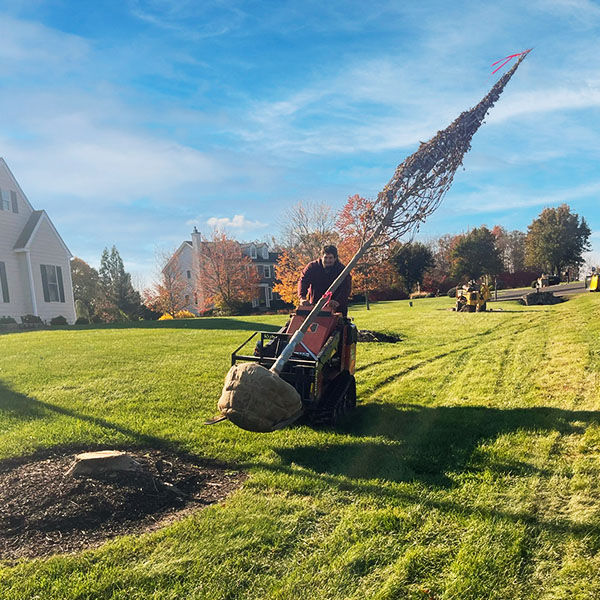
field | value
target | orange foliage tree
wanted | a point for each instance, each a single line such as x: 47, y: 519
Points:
x: 226, y: 276
x: 288, y: 270
x: 374, y: 270
x: 167, y: 294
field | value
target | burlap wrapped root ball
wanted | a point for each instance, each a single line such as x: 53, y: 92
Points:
x: 255, y: 399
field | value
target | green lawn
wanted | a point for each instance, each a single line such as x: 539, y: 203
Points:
x: 471, y: 469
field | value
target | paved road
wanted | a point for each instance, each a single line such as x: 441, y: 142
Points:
x: 565, y: 289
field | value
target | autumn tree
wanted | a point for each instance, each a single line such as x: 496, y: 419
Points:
x: 373, y: 271
x: 86, y: 288
x: 511, y: 247
x: 307, y: 227
x: 556, y: 240
x: 439, y: 275
x: 167, y: 294
x: 475, y: 254
x: 412, y: 260
x: 227, y: 277
x: 287, y: 272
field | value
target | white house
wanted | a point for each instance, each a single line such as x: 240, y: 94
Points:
x: 187, y: 264
x: 35, y: 268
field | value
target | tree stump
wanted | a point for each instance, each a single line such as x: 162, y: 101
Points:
x: 103, y: 462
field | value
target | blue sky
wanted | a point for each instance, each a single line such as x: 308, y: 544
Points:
x: 131, y: 121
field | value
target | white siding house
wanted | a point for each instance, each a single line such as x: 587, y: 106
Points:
x: 35, y: 269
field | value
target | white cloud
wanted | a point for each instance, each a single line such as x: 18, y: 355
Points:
x: 239, y: 222
x: 546, y: 100
x: 28, y: 46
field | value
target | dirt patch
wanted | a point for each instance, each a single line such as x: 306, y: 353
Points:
x: 366, y: 335
x: 44, y: 511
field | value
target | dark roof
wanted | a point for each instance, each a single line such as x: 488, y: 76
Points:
x: 23, y: 240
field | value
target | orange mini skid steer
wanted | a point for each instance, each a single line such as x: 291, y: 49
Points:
x: 321, y: 367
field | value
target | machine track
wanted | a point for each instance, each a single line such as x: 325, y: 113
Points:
x: 339, y: 400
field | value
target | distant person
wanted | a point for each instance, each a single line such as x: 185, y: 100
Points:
x: 318, y: 275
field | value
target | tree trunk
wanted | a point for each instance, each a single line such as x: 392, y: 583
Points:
x: 367, y: 299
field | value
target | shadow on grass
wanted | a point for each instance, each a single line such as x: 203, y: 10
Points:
x: 16, y: 406
x: 224, y: 323
x: 429, y: 444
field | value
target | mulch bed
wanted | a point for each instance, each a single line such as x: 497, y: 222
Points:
x: 366, y: 335
x: 44, y: 511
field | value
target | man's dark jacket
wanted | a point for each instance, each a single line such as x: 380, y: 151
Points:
x: 316, y: 279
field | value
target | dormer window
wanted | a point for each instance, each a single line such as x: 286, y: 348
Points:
x: 265, y: 252
x: 252, y: 251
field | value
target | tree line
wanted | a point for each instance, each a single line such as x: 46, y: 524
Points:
x: 227, y: 280
x: 554, y: 243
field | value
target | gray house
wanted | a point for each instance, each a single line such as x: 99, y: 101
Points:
x: 35, y: 269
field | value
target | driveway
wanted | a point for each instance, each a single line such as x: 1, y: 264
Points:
x: 565, y: 289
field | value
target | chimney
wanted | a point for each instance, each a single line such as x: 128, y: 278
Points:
x: 196, y: 239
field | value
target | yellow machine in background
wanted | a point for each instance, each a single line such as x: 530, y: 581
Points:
x: 472, y: 297
x: 595, y: 283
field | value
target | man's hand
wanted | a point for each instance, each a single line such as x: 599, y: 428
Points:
x: 304, y: 302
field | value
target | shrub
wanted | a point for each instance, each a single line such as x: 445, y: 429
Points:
x: 452, y: 293
x: 7, y: 321
x: 60, y: 320
x: 96, y: 319
x: 30, y: 320
x: 184, y: 314
x: 82, y: 321
x: 166, y: 317
x: 147, y: 314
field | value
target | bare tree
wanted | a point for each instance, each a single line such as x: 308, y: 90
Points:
x: 307, y: 226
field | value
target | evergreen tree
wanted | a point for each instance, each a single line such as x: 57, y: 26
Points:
x: 116, y: 284
x: 412, y: 260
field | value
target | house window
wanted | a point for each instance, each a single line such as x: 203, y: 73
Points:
x: 267, y: 269
x: 189, y: 274
x: 52, y: 283
x: 3, y: 284
x: 254, y: 302
x: 269, y: 294
x: 196, y: 298
x: 8, y: 200
x: 5, y: 202
x: 187, y: 299
x: 265, y: 252
x: 252, y: 251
